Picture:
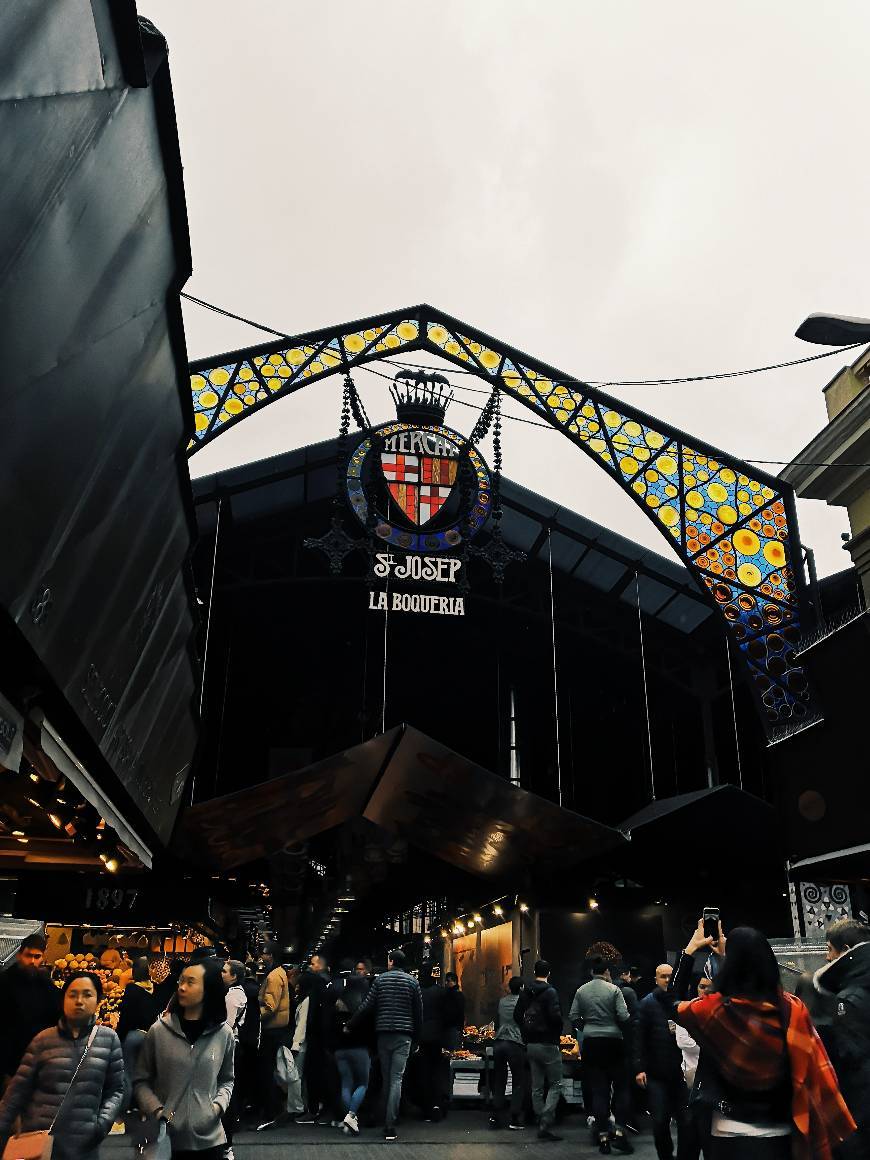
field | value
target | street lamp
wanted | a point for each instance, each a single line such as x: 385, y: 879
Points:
x: 834, y: 330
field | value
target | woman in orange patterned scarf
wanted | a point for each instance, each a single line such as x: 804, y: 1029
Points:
x: 763, y: 1071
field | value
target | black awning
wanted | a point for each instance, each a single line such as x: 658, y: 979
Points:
x: 409, y: 785
x: 719, y: 821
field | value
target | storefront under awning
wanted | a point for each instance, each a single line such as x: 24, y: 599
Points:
x: 408, y: 785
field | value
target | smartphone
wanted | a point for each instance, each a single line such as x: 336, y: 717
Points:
x: 711, y: 922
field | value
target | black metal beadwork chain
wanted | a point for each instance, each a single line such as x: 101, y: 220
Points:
x: 341, y: 443
x: 496, y: 462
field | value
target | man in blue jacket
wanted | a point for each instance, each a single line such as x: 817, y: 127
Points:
x: 658, y: 1064
x: 398, y: 1009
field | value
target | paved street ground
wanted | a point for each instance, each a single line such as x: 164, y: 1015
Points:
x: 464, y: 1136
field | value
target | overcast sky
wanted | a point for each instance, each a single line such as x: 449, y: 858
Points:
x: 627, y: 190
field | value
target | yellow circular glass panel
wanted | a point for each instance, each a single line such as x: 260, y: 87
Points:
x: 197, y: 382
x: 695, y: 499
x: 407, y: 330
x: 749, y: 575
x: 489, y: 359
x: 774, y: 553
x: 727, y: 514
x: 438, y: 334
x: 667, y: 465
x: 629, y: 466
x: 296, y: 357
x: 654, y: 439
x: 219, y: 377
x: 208, y: 399
x: 717, y: 493
x: 633, y: 429
x: 746, y: 542
x: 611, y: 419
x: 668, y: 516
x: 727, y: 475
x: 597, y: 445
x: 235, y: 406
x: 200, y: 421
x: 354, y: 343
x: 246, y: 373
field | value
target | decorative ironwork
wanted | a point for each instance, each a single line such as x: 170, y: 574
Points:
x: 335, y: 544
x: 734, y: 527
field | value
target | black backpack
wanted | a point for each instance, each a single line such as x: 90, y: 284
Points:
x: 535, y: 1021
x: 248, y: 1021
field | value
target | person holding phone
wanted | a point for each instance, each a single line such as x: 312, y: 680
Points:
x: 762, y: 1071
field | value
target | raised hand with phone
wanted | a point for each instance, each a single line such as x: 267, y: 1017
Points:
x: 708, y: 934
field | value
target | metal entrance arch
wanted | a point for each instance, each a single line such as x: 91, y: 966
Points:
x: 735, y: 528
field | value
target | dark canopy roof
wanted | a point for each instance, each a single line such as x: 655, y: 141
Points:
x: 411, y: 786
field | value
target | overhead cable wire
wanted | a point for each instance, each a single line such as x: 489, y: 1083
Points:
x: 575, y: 382
x: 556, y: 431
x: 582, y: 382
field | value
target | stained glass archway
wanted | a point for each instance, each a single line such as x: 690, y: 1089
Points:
x: 734, y: 527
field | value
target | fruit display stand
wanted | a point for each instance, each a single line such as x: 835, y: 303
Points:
x: 111, y: 957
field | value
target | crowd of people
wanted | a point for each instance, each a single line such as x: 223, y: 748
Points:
x: 717, y: 1052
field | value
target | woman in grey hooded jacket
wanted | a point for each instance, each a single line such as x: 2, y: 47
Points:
x: 184, y: 1072
x: 38, y: 1091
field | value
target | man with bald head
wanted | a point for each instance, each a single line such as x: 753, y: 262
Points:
x: 658, y: 1064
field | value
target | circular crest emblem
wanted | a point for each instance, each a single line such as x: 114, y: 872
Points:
x: 417, y: 487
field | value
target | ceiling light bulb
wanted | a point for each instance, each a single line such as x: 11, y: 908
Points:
x: 497, y: 910
x: 524, y: 908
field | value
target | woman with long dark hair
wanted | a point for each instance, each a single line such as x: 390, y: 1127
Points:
x: 350, y: 1048
x: 763, y: 1072
x: 184, y: 1073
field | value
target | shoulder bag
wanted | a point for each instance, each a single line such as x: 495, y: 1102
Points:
x: 149, y: 1135
x: 38, y: 1145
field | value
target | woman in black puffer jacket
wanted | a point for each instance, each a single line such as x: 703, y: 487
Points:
x: 38, y: 1087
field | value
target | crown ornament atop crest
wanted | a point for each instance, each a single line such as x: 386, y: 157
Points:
x: 421, y: 396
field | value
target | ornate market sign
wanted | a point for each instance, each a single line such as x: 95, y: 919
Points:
x: 424, y: 490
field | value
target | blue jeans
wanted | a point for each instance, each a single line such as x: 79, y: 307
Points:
x: 353, y: 1065
x: 394, y: 1049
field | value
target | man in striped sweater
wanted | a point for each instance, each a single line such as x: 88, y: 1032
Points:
x: 395, y: 999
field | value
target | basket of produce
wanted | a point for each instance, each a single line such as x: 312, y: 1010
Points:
x: 569, y: 1047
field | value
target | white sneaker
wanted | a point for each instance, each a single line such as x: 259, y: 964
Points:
x: 351, y: 1123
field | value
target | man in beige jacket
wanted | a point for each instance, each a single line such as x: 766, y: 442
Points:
x: 276, y: 1003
